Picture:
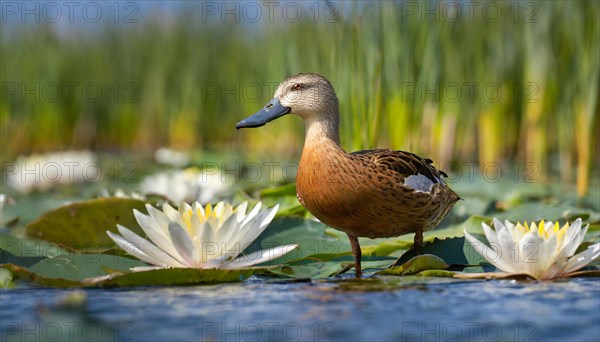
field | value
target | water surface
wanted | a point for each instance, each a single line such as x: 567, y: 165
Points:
x: 260, y: 310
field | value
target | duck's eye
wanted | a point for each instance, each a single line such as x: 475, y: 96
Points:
x: 297, y: 86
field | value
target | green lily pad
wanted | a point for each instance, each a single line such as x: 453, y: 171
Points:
x: 158, y: 277
x: 417, y: 264
x: 173, y: 276
x: 437, y: 273
x: 448, y: 243
x: 82, y: 226
x: 308, y: 234
x: 26, y: 252
x: 23, y: 274
x: 80, y: 266
x: 313, y: 269
x: 30, y: 248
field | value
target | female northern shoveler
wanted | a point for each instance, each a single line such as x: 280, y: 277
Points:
x: 374, y: 193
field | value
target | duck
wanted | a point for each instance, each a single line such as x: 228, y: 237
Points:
x: 378, y: 193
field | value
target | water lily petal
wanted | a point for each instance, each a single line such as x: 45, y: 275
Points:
x: 570, y: 235
x: 148, y: 248
x: 547, y: 252
x: 227, y: 229
x: 256, y: 227
x: 241, y: 211
x: 252, y: 214
x: 528, y: 253
x: 507, y: 225
x: 508, y: 246
x: 217, y: 262
x: 518, y: 231
x: 183, y: 244
x: 184, y: 208
x: 155, y: 233
x: 489, y: 254
x: 491, y: 236
x: 570, y: 243
x: 209, y: 247
x: 172, y: 214
x: 145, y: 268
x: 206, y: 233
x: 219, y: 209
x: 131, y: 249
x: 198, y: 209
x: 259, y: 257
x: 549, y: 226
x: 577, y: 238
x: 582, y: 259
x: 161, y: 219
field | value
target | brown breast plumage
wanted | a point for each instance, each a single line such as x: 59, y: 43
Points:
x: 364, y: 193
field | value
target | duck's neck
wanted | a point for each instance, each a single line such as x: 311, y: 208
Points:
x: 322, y: 130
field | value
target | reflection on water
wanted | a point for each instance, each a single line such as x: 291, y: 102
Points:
x: 317, y: 311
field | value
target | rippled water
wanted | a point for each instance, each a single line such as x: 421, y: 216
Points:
x: 259, y: 310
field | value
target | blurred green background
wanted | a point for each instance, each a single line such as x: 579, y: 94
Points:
x: 512, y: 83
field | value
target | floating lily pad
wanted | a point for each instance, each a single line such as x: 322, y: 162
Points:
x: 81, y: 266
x: 158, y: 277
x: 29, y: 248
x: 82, y: 226
x: 306, y: 269
x: 23, y: 274
x: 173, y: 276
x: 26, y: 252
x: 436, y: 273
x: 449, y: 243
x: 417, y: 264
x: 308, y: 234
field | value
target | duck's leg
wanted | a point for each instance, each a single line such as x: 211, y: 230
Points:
x: 357, y: 255
x: 418, y: 242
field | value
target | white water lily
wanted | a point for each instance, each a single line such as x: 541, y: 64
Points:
x: 543, y: 251
x: 197, y: 237
x: 42, y: 172
x: 189, y: 185
x: 168, y: 156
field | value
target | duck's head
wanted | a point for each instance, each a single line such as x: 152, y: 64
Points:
x: 309, y: 96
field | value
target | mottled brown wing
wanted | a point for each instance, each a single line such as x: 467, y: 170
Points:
x: 405, y: 163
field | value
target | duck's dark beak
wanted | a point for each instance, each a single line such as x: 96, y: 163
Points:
x: 270, y: 112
